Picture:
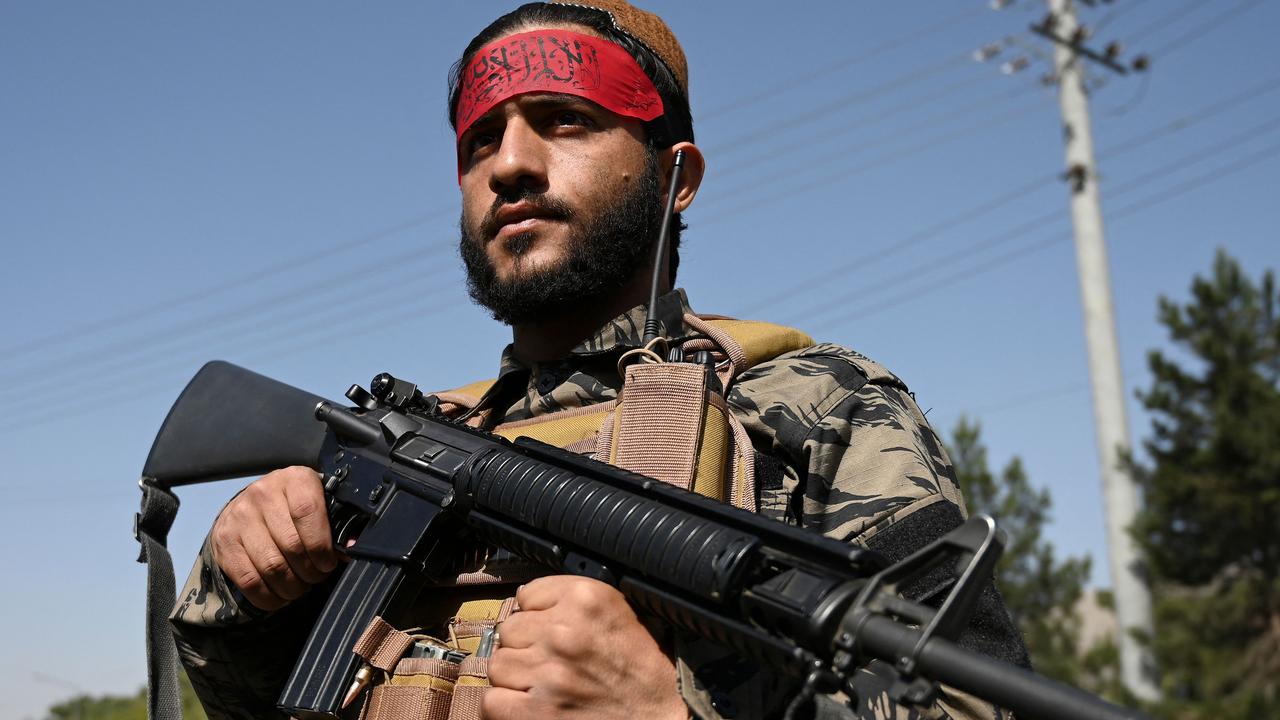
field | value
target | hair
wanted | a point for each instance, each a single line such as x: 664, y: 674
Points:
x: 673, y: 126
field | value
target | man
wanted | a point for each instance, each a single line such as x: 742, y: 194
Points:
x: 563, y: 170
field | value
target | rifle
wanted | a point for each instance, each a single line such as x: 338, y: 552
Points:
x: 404, y: 485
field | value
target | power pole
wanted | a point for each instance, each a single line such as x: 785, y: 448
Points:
x: 1120, y: 494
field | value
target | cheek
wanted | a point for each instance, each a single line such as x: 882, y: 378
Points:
x: 476, y: 201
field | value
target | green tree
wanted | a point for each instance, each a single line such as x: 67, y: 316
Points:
x: 122, y: 707
x: 1041, y: 590
x: 1211, y: 489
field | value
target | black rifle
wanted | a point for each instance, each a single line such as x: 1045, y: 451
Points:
x: 408, y: 485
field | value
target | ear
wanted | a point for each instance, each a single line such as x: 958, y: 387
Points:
x: 690, y: 174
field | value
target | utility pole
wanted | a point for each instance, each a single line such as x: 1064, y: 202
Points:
x: 1120, y: 494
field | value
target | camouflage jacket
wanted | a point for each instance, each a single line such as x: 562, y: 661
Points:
x: 854, y: 459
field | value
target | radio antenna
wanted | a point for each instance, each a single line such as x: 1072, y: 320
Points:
x: 651, y: 319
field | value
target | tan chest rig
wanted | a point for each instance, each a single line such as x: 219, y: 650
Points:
x: 670, y: 422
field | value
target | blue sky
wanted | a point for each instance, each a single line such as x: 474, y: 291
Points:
x: 274, y: 184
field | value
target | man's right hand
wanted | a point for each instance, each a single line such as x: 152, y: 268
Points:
x: 273, y: 540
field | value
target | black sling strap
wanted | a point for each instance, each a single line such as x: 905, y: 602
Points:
x: 151, y: 528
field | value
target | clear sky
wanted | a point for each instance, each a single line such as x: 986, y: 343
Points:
x: 274, y: 184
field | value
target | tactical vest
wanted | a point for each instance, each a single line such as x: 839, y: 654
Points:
x: 669, y: 422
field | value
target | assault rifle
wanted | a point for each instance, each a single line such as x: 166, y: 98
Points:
x: 406, y: 485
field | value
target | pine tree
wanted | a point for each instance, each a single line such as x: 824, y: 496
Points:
x: 1040, y: 590
x: 1211, y: 488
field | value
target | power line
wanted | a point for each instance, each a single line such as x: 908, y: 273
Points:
x: 130, y: 388
x: 1116, y: 150
x: 1186, y: 121
x: 863, y: 261
x: 921, y: 74
x: 833, y: 304
x: 148, y: 344
x: 808, y: 143
x: 145, y: 374
x: 842, y: 64
x: 1018, y: 253
x: 1115, y: 14
x: 1166, y: 21
x: 880, y: 161
x: 1206, y: 27
x: 125, y: 394
x: 362, y: 306
x: 221, y: 317
x: 157, y: 307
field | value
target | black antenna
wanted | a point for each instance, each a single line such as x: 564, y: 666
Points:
x: 651, y: 320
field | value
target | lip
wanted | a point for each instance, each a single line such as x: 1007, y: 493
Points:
x: 519, y: 218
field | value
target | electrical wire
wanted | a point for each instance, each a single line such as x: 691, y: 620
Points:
x: 842, y: 64
x: 116, y: 395
x: 774, y: 196
x: 842, y: 270
x: 157, y: 307
x: 1116, y: 13
x: 313, y: 295
x: 1169, y: 19
x: 792, y: 122
x: 144, y: 374
x: 265, y: 332
x: 833, y: 303
x: 119, y: 391
x: 201, y: 324
x: 1204, y: 28
x: 987, y: 266
x: 807, y: 143
x: 1115, y: 150
x: 148, y: 346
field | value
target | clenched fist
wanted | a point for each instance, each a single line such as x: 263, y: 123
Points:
x: 273, y: 540
x: 577, y: 650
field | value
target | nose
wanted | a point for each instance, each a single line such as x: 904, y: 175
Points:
x: 521, y: 162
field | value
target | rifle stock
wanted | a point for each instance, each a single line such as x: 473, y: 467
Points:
x: 231, y: 422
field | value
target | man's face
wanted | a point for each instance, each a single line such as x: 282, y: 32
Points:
x: 560, y: 204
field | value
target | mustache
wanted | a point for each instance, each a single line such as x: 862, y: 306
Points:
x: 544, y: 204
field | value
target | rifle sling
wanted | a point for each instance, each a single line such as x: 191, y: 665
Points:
x: 151, y: 528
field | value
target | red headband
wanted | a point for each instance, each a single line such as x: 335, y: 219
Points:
x: 555, y: 61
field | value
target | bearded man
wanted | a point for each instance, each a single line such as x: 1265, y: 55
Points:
x: 569, y: 118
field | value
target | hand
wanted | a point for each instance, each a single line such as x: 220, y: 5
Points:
x: 577, y: 650
x: 273, y: 540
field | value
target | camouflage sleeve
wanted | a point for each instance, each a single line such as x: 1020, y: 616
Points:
x: 238, y: 657
x: 857, y: 453
x: 858, y: 462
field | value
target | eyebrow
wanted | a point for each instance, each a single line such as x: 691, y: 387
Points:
x: 536, y: 100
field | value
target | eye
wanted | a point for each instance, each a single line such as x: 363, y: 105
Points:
x: 570, y: 118
x: 479, y: 140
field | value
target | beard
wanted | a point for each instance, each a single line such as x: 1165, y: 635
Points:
x: 603, y: 252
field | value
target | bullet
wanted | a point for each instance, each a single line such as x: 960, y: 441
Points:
x: 363, y: 676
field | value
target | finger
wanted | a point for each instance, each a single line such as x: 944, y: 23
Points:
x: 522, y: 629
x: 514, y: 669
x: 310, y: 516
x: 285, y: 536
x: 239, y: 570
x: 544, y: 592
x: 503, y: 704
x: 271, y: 564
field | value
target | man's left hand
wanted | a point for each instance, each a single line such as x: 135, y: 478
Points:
x: 577, y: 650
